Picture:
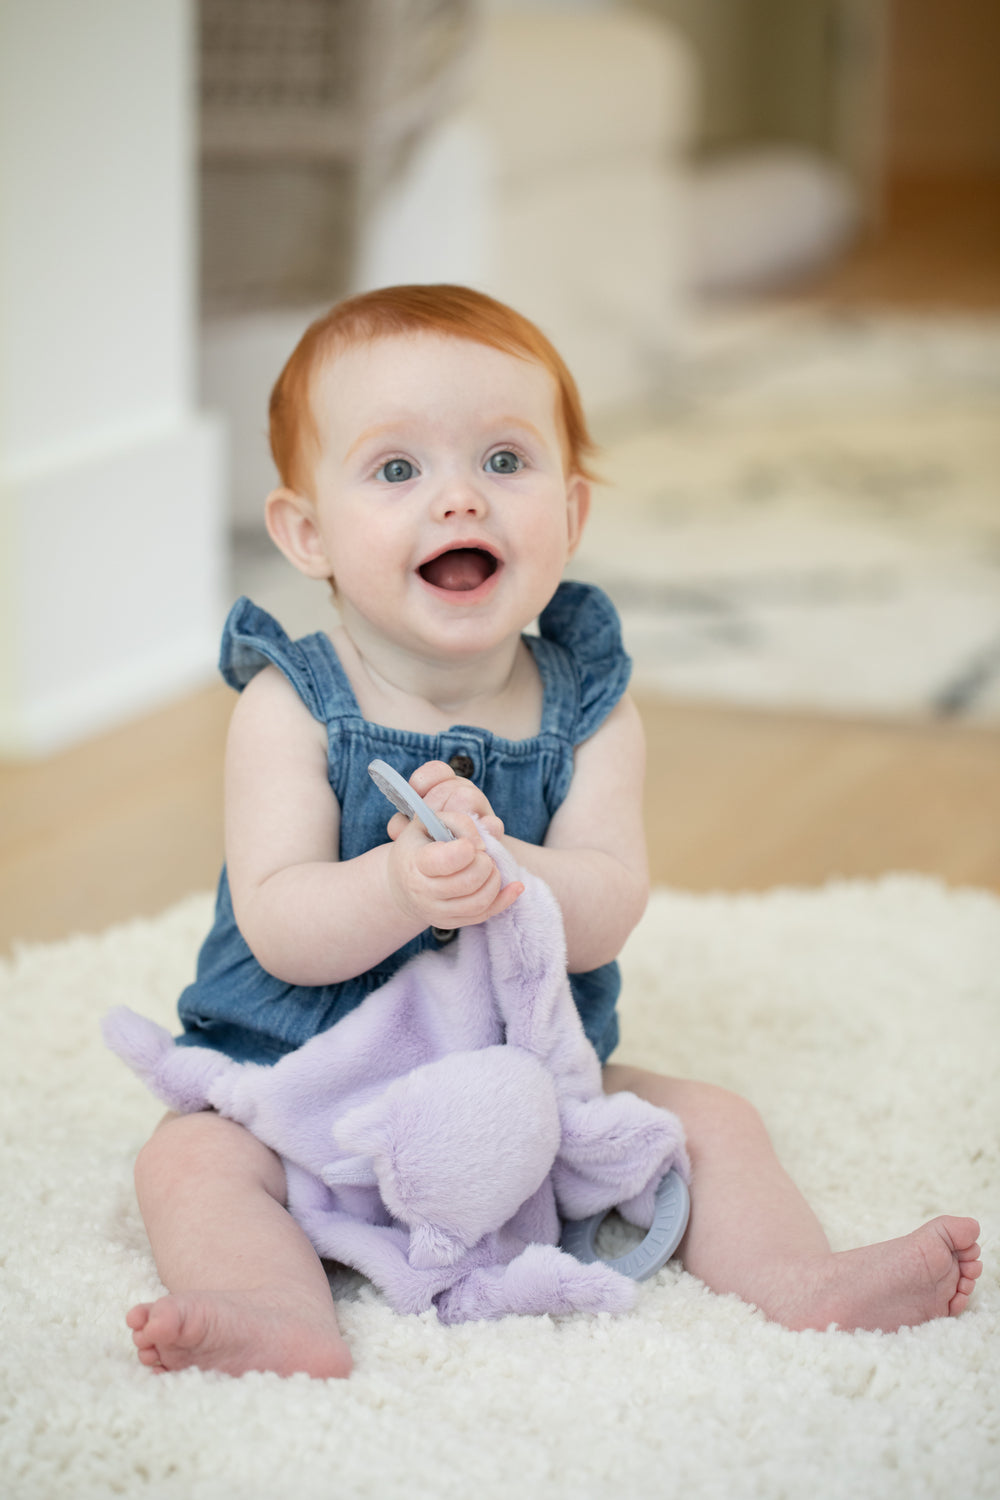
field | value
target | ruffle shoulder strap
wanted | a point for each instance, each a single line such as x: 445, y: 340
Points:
x: 582, y: 620
x: 252, y: 639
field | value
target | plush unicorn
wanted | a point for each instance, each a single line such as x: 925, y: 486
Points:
x: 434, y: 1138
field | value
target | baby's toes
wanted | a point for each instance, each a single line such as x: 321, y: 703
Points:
x: 162, y: 1325
x: 964, y: 1235
x: 968, y: 1273
x: 137, y: 1317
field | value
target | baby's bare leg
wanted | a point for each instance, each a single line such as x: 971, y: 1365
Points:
x: 248, y: 1291
x: 751, y: 1231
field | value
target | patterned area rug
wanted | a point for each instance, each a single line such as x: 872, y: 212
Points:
x: 813, y: 518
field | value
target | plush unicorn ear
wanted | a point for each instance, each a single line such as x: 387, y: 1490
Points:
x: 137, y: 1041
x: 182, y: 1077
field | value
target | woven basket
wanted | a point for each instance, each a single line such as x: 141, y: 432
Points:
x: 306, y: 107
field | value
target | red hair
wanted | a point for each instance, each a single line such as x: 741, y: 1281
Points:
x: 456, y: 312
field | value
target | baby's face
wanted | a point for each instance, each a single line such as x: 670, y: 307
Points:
x: 443, y: 509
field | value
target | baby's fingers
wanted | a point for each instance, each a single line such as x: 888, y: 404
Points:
x: 438, y: 861
x: 472, y: 907
x: 502, y: 902
x: 474, y: 885
x: 397, y: 824
x: 427, y: 776
x: 506, y: 899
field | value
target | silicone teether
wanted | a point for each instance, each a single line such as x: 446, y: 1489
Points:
x: 670, y: 1217
x: 406, y: 800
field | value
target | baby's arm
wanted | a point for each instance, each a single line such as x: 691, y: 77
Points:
x: 308, y: 917
x: 594, y: 854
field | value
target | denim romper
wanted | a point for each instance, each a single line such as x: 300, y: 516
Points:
x: 234, y: 1005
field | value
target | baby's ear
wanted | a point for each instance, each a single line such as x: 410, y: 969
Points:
x: 291, y: 525
x: 578, y: 504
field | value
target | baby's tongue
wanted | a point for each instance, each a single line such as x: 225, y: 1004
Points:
x: 461, y: 570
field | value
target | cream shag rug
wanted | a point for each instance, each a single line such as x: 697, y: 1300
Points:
x: 862, y: 1019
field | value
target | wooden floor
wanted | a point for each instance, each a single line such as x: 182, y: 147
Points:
x: 746, y: 801
x: 939, y: 247
x: 735, y: 801
x: 131, y: 822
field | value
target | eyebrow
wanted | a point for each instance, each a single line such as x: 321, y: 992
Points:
x: 371, y: 433
x: 523, y: 425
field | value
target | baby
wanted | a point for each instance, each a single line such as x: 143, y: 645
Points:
x: 434, y: 469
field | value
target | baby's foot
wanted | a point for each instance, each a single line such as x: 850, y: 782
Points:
x: 239, y: 1331
x: 927, y: 1274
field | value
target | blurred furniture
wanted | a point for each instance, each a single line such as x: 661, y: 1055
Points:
x: 809, y: 75
x: 569, y: 160
x: 763, y: 217
x: 307, y: 106
x: 538, y: 155
x: 789, y: 154
x: 308, y: 109
x: 588, y: 118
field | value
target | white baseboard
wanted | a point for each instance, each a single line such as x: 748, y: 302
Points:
x: 112, y: 585
x: 82, y: 710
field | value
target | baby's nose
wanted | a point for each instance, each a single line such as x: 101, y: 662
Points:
x: 460, y: 497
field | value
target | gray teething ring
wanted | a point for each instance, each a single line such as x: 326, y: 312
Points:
x: 672, y: 1208
x: 402, y: 796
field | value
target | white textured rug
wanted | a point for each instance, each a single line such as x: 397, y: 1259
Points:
x: 862, y: 1019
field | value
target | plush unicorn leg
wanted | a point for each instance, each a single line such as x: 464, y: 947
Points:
x: 540, y: 1280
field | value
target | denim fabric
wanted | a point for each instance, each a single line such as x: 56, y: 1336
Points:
x: 236, y: 1006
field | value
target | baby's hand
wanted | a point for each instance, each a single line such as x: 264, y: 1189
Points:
x: 446, y: 885
x: 453, y: 884
x: 445, y: 793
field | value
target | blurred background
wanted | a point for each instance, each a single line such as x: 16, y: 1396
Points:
x: 764, y: 233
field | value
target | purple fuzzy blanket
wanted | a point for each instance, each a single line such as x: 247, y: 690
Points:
x: 434, y: 1138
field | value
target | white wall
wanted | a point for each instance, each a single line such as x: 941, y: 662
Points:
x: 111, y: 495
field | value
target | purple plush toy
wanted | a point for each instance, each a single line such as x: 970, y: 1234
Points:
x: 434, y: 1137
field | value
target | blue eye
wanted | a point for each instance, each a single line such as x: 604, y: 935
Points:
x: 504, y: 462
x: 396, y: 471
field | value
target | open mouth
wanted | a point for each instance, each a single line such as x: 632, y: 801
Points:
x: 459, y: 570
